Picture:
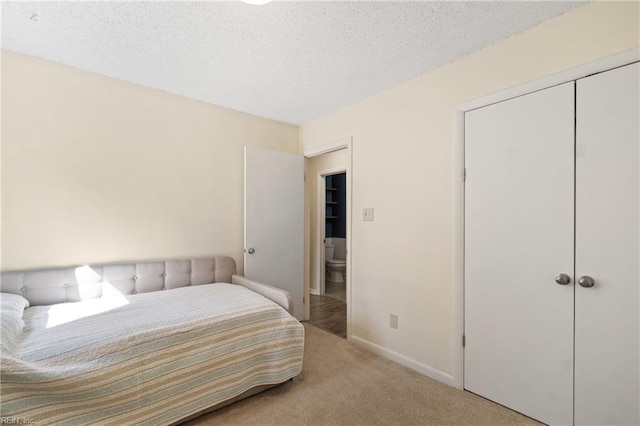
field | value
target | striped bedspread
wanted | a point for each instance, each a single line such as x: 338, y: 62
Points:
x: 151, y: 358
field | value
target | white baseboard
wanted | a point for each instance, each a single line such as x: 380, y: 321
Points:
x: 424, y: 369
x: 314, y: 291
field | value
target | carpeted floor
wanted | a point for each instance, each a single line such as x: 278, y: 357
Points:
x: 342, y: 384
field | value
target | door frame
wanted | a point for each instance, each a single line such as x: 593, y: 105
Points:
x: 600, y: 65
x: 343, y: 143
x: 321, y: 228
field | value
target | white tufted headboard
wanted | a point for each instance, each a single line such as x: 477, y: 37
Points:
x: 72, y: 284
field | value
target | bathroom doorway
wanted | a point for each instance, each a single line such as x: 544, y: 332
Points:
x: 333, y: 276
x: 329, y: 301
x: 328, y: 198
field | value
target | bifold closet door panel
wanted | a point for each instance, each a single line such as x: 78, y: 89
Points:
x: 607, y: 248
x: 519, y: 203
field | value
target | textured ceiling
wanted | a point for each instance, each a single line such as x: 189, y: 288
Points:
x: 288, y: 61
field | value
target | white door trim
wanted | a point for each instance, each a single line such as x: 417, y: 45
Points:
x: 600, y: 65
x: 604, y: 64
x: 344, y: 143
x: 328, y: 147
x: 321, y: 232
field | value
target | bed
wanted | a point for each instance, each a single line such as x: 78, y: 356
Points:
x: 140, y: 343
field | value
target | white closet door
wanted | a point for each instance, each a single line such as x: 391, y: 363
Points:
x: 607, y: 240
x: 519, y: 204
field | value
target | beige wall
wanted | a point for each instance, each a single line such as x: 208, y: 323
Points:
x: 403, y: 142
x: 95, y: 169
x: 331, y: 161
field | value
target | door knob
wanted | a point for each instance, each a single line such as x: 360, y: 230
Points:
x: 586, y: 281
x: 251, y: 250
x: 563, y: 279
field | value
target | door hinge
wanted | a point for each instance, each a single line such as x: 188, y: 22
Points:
x: 464, y: 174
x: 464, y: 341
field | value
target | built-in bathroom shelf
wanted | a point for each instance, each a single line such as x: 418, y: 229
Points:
x: 330, y: 204
x: 334, y: 205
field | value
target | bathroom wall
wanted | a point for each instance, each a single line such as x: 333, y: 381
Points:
x: 340, y: 244
x: 330, y: 210
x: 336, y: 234
x: 337, y: 227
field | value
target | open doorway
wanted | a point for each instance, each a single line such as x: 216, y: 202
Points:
x: 328, y: 195
x: 333, y: 277
x: 328, y: 297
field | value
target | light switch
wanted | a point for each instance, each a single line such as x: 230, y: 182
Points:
x: 367, y: 214
x: 393, y: 321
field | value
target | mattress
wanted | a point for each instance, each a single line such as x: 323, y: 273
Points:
x: 152, y: 358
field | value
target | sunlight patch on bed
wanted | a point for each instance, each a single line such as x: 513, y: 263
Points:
x: 67, y: 312
x: 89, y: 282
x: 90, y: 305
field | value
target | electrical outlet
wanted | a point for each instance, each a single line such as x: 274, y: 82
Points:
x: 367, y: 214
x: 393, y: 321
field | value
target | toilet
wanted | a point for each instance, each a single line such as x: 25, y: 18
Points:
x: 336, y: 268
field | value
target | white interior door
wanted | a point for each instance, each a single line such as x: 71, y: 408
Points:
x: 607, y: 239
x: 274, y: 221
x: 519, y: 218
